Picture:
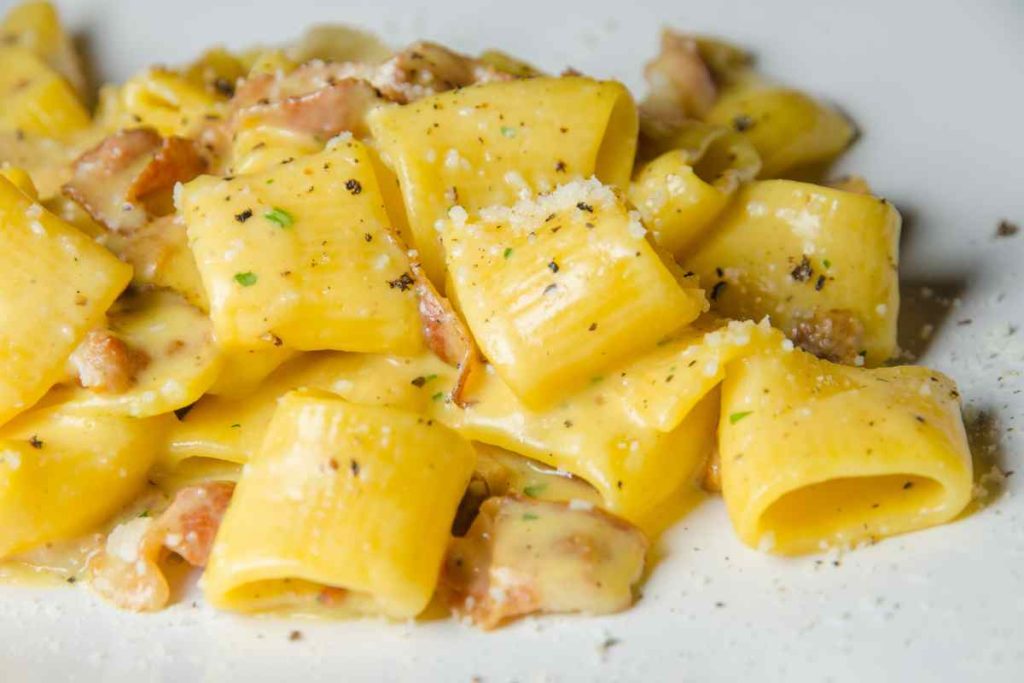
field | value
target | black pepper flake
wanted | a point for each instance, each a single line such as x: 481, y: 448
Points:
x: 742, y: 123
x: 919, y: 418
x: 418, y: 381
x: 908, y: 485
x: 583, y: 206
x: 403, y: 283
x: 368, y: 237
x: 243, y: 216
x: 1007, y: 229
x: 803, y: 272
x: 35, y: 442
x: 593, y: 326
x: 180, y: 413
x: 560, y: 166
x: 553, y: 267
x: 353, y: 466
x: 353, y: 186
x: 550, y: 288
x: 568, y: 424
x: 716, y: 291
x: 224, y: 87
x: 820, y: 284
x: 295, y: 635
x: 719, y: 272
x: 71, y: 579
x: 965, y: 321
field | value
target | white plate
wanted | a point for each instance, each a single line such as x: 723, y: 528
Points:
x: 938, y: 90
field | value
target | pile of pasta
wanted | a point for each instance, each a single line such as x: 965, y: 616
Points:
x: 364, y: 331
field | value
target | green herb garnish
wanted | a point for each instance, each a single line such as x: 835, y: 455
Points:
x: 533, y: 490
x: 279, y: 216
x: 246, y: 279
x: 736, y: 417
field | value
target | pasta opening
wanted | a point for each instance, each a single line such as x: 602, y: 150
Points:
x: 849, y: 510
x: 293, y: 596
x: 727, y: 160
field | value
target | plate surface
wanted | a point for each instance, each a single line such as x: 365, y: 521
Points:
x: 938, y: 91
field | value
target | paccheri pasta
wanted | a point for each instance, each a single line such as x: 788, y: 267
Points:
x: 360, y: 330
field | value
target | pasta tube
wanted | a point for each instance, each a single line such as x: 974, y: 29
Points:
x: 50, y: 315
x: 822, y: 263
x: 815, y: 455
x: 558, y: 290
x: 346, y: 505
x: 303, y: 241
x: 63, y: 473
x: 489, y: 143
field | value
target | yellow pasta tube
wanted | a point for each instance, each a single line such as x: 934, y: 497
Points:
x: 63, y: 473
x: 37, y: 100
x: 681, y: 192
x: 244, y: 370
x: 20, y: 178
x: 789, y: 129
x: 559, y: 289
x: 660, y: 387
x: 595, y: 436
x: 815, y: 455
x: 307, y: 240
x: 353, y: 501
x: 36, y: 26
x: 821, y: 262
x: 231, y: 428
x: 487, y: 144
x: 261, y: 147
x: 50, y: 314
x: 162, y: 99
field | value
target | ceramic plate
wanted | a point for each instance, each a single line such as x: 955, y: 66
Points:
x: 937, y: 90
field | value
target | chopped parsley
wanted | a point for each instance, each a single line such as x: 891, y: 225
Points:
x: 508, y: 252
x: 438, y: 396
x: 279, y: 216
x: 742, y: 123
x: 246, y: 279
x: 534, y: 490
x: 529, y: 517
x: 508, y: 131
x: 736, y: 417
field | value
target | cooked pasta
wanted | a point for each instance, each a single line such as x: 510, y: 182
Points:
x: 362, y: 331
